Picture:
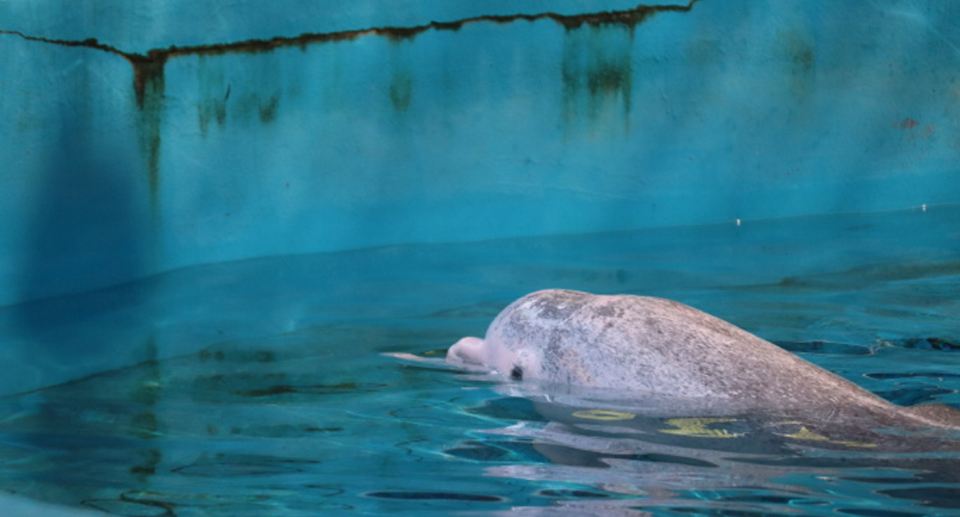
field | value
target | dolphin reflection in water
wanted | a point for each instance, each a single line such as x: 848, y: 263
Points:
x: 630, y: 391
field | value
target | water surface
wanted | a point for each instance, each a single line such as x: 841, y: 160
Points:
x: 291, y: 408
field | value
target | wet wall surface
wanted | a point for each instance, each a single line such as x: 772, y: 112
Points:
x: 136, y: 142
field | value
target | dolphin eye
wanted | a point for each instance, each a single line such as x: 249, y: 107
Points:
x: 516, y: 373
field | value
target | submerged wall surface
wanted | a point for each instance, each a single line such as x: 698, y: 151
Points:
x: 142, y: 137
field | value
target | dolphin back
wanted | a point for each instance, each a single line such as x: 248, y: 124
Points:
x: 659, y: 346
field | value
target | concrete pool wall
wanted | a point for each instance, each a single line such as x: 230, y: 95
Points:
x: 151, y: 136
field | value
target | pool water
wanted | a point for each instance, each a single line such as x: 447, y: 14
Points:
x: 293, y: 407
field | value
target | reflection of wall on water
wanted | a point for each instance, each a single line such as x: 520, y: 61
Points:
x: 237, y: 427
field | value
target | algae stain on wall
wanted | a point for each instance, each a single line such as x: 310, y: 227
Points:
x: 258, y: 87
x: 402, y: 80
x: 401, y: 90
x: 214, y: 92
x: 597, y: 74
x: 247, y: 90
x: 267, y: 108
x: 797, y: 48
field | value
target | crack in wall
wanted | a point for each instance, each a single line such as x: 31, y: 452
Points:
x: 148, y: 67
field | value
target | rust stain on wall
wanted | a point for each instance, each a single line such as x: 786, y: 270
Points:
x: 608, y: 79
x: 147, y: 73
x: 149, y: 86
x: 907, y: 123
x: 147, y: 65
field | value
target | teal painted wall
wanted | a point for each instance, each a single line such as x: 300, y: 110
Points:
x: 177, y: 139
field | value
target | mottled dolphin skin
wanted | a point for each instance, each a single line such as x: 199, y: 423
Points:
x: 657, y: 347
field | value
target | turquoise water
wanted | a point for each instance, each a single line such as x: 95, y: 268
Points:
x: 292, y: 408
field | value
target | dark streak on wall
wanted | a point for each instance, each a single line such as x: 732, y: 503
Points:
x: 401, y: 90
x: 598, y: 63
x: 268, y: 109
x: 148, y: 68
x: 147, y: 73
x: 149, y: 86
